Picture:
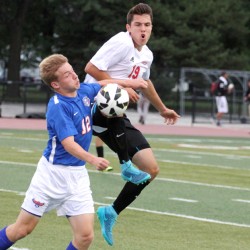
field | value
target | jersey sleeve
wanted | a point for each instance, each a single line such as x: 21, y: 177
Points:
x: 111, y: 53
x: 91, y: 88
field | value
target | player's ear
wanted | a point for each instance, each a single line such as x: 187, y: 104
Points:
x: 55, y: 85
x: 128, y: 27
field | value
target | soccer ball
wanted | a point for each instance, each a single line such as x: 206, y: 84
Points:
x: 231, y: 86
x: 112, y: 100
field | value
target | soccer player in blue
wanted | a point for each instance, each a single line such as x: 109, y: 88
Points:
x: 61, y: 180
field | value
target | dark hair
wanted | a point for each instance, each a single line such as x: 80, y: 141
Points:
x: 139, y: 9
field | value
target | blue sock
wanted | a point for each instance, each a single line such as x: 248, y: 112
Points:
x: 70, y: 247
x: 5, y: 243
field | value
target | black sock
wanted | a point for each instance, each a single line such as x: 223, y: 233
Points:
x: 100, y: 151
x: 128, y: 194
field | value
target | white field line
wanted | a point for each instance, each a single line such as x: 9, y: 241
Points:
x: 157, y: 178
x: 240, y: 200
x: 23, y: 138
x: 169, y: 150
x: 185, y: 145
x: 198, y: 164
x: 152, y: 211
x: 198, y: 140
x: 16, y: 248
x: 202, y: 184
x: 199, y: 153
x: 183, y: 216
x: 18, y: 163
x: 161, y: 213
x: 173, y: 199
x: 5, y: 135
x: 182, y: 199
x: 12, y: 191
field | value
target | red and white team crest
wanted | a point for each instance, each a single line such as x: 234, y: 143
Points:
x: 86, y: 101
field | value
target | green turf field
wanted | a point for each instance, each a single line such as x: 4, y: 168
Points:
x: 200, y: 200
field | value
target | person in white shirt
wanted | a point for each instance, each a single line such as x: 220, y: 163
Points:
x: 126, y: 56
x: 142, y: 108
x: 221, y: 99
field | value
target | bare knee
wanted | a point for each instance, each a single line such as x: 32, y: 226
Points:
x: 23, y: 232
x: 15, y: 233
x: 84, y: 241
x: 154, y: 171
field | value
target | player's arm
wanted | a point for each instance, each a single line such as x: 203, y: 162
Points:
x: 77, y: 151
x: 170, y: 115
x: 104, y: 78
x: 98, y: 74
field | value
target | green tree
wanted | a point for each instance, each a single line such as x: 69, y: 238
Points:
x: 195, y: 33
x: 211, y: 34
x: 13, y: 15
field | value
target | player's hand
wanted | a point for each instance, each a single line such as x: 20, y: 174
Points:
x: 138, y: 83
x: 170, y: 116
x: 133, y: 96
x: 100, y: 163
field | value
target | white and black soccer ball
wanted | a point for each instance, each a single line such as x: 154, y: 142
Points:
x: 112, y: 100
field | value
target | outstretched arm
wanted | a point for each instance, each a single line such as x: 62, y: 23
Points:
x: 170, y: 115
x: 76, y: 150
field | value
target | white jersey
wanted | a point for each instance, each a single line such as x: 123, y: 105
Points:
x: 142, y: 63
x: 119, y: 58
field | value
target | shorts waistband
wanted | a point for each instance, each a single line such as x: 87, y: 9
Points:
x: 75, y: 168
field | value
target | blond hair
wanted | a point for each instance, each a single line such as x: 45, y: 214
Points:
x: 49, y: 66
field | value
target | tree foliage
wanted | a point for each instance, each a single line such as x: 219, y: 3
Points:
x: 194, y: 33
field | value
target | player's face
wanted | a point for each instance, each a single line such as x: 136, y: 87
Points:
x: 67, y: 80
x: 140, y: 30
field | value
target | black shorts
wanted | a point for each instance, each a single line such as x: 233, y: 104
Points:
x: 135, y: 139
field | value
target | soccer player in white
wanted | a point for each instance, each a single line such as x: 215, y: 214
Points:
x: 124, y: 56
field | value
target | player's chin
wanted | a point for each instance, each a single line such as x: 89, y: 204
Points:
x: 77, y: 85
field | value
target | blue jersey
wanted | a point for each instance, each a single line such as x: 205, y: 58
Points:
x: 69, y: 116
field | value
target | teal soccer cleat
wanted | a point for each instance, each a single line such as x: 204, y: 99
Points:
x: 133, y: 174
x: 107, y: 217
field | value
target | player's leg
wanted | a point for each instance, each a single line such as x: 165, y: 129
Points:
x: 145, y: 160
x: 142, y: 155
x: 100, y: 151
x: 222, y: 107
x: 138, y: 147
x: 99, y: 147
x: 114, y: 135
x: 23, y: 226
x: 219, y: 113
x: 140, y: 109
x: 145, y: 109
x: 83, y: 231
x: 78, y: 206
x: 140, y: 151
x: 117, y: 134
x: 32, y: 208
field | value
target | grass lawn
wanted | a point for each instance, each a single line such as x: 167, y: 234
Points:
x: 200, y: 200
